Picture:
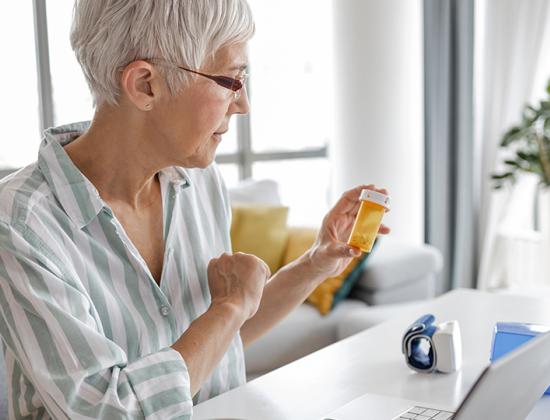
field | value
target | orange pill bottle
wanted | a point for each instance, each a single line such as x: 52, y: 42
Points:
x: 368, y: 220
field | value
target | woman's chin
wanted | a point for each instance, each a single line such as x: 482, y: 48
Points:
x: 205, y: 160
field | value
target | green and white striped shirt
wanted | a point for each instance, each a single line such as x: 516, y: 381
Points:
x: 86, y: 329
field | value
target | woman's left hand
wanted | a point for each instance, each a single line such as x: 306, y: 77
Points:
x: 330, y: 253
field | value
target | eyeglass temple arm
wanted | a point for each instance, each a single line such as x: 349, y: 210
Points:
x: 228, y: 82
x: 196, y: 72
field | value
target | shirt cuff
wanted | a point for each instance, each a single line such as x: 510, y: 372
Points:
x: 162, y: 385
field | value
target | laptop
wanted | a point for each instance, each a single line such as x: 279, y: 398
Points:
x: 507, y: 389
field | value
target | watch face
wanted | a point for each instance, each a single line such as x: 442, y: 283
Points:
x: 421, y: 354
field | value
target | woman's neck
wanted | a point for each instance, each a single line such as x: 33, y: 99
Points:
x: 117, y: 158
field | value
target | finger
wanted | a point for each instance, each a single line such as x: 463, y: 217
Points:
x: 355, y: 252
x: 350, y: 199
x: 211, y: 263
x: 355, y: 192
x: 384, y: 230
x: 343, y: 250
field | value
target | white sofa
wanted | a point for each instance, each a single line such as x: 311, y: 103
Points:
x: 396, y: 274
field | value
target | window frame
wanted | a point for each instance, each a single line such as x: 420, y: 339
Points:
x: 45, y: 93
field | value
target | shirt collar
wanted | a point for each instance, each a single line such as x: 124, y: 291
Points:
x: 177, y: 176
x: 77, y: 195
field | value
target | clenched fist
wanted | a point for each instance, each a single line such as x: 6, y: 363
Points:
x: 238, y: 279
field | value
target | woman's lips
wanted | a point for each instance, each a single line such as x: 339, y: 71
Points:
x: 218, y: 135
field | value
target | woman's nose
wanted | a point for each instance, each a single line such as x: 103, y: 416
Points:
x: 241, y: 105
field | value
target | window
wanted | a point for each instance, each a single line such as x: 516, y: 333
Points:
x: 284, y: 138
x: 291, y: 75
x: 72, y: 100
x: 19, y: 114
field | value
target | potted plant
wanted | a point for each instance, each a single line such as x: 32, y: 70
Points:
x: 528, y: 144
x: 527, y: 149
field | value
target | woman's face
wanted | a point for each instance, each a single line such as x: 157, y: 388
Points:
x: 191, y: 124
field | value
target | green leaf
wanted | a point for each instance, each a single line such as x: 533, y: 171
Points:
x: 530, y: 114
x: 502, y: 176
x: 512, y: 135
x: 513, y: 163
x: 529, y: 157
x: 523, y: 140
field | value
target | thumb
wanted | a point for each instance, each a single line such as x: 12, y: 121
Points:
x: 343, y: 250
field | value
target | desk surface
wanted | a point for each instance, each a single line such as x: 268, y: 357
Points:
x: 371, y: 361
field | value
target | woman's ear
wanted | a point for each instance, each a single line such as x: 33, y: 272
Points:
x: 139, y: 82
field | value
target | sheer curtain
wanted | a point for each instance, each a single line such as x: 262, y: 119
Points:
x: 511, y: 69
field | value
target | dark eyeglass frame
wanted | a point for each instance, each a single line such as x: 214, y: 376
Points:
x: 227, y: 82
x: 235, y: 85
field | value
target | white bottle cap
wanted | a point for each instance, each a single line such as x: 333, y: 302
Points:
x: 375, y: 197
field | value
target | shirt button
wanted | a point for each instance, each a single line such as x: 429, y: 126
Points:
x: 164, y: 310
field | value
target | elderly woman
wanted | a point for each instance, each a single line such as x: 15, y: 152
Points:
x: 119, y: 294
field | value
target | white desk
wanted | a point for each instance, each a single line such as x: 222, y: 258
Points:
x: 371, y: 361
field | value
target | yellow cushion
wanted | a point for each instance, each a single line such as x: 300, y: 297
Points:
x: 299, y: 241
x: 261, y: 231
x: 323, y: 296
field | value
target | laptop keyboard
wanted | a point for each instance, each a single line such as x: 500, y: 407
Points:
x: 423, y: 413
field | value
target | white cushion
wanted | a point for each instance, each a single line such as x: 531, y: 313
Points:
x: 414, y: 289
x: 394, y: 264
x: 250, y: 191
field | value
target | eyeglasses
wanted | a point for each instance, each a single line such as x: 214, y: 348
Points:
x: 235, y: 85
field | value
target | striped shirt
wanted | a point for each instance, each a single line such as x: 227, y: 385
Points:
x: 86, y: 330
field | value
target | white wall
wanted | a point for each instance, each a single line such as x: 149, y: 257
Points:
x: 379, y: 106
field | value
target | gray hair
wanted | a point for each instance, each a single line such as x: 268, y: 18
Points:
x: 107, y: 35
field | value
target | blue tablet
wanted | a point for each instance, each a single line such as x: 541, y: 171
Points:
x: 508, y: 336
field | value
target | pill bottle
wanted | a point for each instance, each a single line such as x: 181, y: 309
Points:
x: 369, y: 217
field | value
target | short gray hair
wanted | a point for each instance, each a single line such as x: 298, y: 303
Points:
x: 106, y: 35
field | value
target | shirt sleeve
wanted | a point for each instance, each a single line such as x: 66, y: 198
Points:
x: 47, y: 322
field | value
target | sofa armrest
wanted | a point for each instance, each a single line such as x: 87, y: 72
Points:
x: 399, y: 272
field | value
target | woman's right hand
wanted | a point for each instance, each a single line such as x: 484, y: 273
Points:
x: 238, y: 279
